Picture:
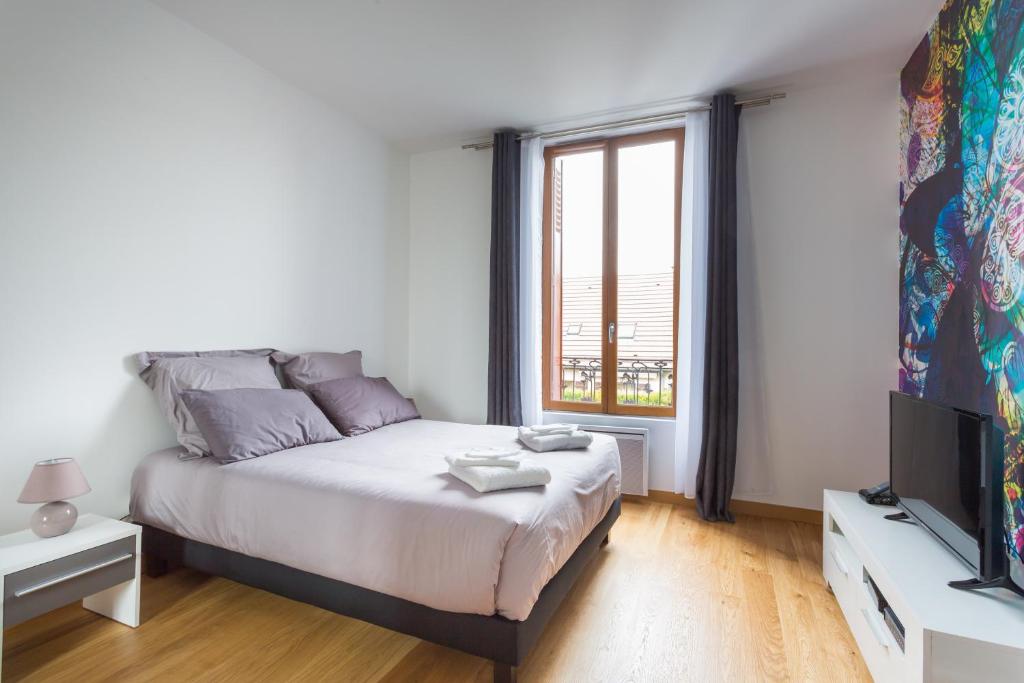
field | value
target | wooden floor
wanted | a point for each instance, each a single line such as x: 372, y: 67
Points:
x: 670, y: 599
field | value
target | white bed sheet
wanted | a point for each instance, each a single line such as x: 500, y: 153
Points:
x: 381, y: 511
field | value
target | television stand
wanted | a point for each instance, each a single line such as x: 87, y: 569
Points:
x: 891, y: 582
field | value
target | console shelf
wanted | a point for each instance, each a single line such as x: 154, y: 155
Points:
x: 949, y: 635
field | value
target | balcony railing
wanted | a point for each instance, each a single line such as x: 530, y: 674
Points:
x: 639, y: 381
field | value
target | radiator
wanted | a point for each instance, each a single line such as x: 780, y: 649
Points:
x: 632, y: 454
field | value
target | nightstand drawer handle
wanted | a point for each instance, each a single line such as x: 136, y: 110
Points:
x: 72, y: 575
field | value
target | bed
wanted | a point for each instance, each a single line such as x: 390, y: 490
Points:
x: 374, y: 527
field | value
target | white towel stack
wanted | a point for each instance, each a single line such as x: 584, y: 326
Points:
x: 554, y: 437
x: 554, y: 428
x: 495, y: 469
x: 486, y: 457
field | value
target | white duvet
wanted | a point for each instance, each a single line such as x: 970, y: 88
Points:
x: 381, y: 511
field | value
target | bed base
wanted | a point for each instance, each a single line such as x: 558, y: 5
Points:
x: 501, y: 640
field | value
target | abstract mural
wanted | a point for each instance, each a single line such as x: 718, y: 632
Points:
x: 962, y: 224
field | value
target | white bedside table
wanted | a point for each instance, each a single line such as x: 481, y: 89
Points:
x: 98, y: 560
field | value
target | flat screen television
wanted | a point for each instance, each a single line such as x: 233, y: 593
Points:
x: 946, y: 471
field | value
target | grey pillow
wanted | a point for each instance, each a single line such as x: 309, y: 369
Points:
x: 361, y: 404
x: 240, y: 424
x: 169, y: 374
x: 303, y: 370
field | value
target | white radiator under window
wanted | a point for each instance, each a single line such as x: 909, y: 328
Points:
x: 632, y: 453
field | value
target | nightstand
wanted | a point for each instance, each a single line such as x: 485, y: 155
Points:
x: 97, y: 560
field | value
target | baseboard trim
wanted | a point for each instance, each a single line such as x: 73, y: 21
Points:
x: 660, y: 497
x: 743, y: 507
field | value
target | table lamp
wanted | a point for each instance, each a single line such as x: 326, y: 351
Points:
x: 52, y: 482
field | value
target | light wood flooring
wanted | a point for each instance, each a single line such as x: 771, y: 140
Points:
x: 669, y: 599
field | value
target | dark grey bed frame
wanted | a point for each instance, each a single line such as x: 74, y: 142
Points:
x: 501, y: 640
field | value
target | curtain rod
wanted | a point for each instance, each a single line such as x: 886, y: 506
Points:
x: 654, y: 118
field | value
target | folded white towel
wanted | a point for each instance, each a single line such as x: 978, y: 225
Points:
x: 485, y: 479
x: 465, y: 461
x: 556, y: 428
x: 493, y: 452
x: 554, y: 442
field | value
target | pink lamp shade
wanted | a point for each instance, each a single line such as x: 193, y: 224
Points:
x: 53, y: 480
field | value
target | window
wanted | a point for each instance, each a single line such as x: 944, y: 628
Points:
x: 611, y: 253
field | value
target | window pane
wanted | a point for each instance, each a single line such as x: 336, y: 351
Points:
x: 646, y: 264
x: 578, y: 187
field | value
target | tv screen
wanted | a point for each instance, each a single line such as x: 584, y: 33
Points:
x: 937, y: 466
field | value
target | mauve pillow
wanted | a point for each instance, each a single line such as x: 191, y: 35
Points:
x: 246, y: 423
x: 303, y: 370
x: 169, y: 374
x: 357, y: 405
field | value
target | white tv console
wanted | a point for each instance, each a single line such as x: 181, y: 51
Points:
x: 950, y: 635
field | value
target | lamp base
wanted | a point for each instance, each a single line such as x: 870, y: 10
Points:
x: 54, y: 519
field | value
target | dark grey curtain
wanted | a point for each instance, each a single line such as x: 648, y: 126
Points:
x: 717, y: 469
x: 504, y: 400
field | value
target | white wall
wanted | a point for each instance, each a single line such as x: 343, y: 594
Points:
x: 159, y: 191
x: 450, y: 237
x: 818, y: 274
x: 818, y: 213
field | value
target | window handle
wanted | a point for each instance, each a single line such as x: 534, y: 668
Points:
x: 611, y: 333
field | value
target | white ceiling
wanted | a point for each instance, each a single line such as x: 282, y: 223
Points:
x: 426, y: 73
